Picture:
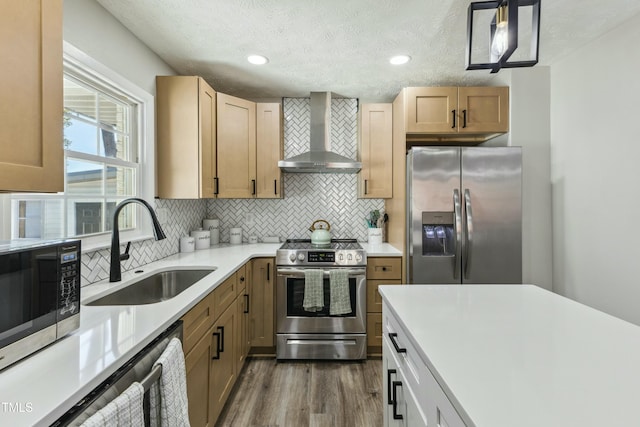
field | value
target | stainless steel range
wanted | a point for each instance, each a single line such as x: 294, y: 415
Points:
x: 317, y: 332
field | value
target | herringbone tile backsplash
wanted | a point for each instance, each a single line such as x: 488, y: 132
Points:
x: 307, y: 197
x: 332, y: 197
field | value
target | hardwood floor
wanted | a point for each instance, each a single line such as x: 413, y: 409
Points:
x: 300, y: 394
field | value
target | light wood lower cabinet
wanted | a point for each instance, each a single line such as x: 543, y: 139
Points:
x: 262, y: 316
x: 199, y: 365
x: 223, y: 371
x: 380, y: 271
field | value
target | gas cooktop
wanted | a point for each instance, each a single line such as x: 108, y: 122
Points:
x: 340, y: 252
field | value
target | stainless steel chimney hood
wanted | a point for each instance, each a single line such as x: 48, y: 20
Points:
x: 320, y: 158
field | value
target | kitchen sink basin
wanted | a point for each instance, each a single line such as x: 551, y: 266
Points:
x: 158, y: 287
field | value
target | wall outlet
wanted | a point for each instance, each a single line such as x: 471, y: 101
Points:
x: 162, y: 215
x: 249, y: 219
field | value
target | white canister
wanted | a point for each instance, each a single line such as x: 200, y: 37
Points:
x: 235, y: 236
x: 213, y: 225
x: 375, y: 236
x: 203, y: 238
x: 187, y: 244
x: 253, y: 239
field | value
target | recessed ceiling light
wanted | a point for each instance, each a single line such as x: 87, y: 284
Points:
x: 399, y: 59
x: 257, y: 59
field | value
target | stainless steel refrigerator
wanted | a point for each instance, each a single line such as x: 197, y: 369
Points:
x: 464, y: 215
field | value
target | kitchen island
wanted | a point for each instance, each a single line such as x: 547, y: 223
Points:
x: 504, y: 356
x: 39, y: 389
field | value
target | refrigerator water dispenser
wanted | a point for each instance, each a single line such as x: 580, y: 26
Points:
x: 438, y: 234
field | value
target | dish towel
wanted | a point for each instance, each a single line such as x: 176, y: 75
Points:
x: 124, y: 410
x: 313, y: 290
x: 340, y: 300
x: 170, y: 392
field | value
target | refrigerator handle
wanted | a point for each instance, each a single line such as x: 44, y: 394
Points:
x: 469, y: 233
x: 457, y: 230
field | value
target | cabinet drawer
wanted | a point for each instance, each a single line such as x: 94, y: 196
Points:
x: 242, y: 279
x: 374, y: 300
x: 197, y: 321
x: 384, y: 268
x: 224, y: 294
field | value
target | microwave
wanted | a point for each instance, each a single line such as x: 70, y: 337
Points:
x: 39, y: 295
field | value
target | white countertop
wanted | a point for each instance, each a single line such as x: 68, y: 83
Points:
x: 523, y: 356
x: 383, y: 249
x: 49, y: 382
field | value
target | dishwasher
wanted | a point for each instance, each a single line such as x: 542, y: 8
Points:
x: 139, y: 368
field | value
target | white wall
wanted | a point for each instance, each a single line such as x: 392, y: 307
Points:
x: 595, y: 173
x: 93, y: 30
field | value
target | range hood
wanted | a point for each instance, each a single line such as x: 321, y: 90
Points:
x: 320, y: 158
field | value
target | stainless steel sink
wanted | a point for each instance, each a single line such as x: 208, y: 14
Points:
x: 158, y: 287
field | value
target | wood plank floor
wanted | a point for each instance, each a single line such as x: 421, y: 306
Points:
x: 301, y: 394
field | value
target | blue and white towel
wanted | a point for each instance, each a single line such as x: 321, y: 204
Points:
x: 125, y: 410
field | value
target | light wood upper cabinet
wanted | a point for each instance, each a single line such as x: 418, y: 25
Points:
x: 269, y: 141
x: 31, y: 105
x: 456, y: 114
x: 375, y: 151
x: 186, y: 135
x: 236, y: 147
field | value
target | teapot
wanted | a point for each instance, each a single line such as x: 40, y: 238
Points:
x: 320, y: 235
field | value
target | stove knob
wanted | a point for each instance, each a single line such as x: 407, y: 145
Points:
x: 301, y: 256
x: 292, y: 256
x: 358, y: 257
x: 349, y: 257
x: 341, y: 257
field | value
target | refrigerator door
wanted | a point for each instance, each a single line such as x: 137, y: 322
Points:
x: 434, y: 224
x: 492, y: 215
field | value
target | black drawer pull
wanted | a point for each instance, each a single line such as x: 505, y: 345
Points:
x: 246, y: 306
x: 217, y: 356
x: 464, y: 118
x: 396, y: 416
x: 221, y: 342
x: 389, y: 373
x: 216, y: 183
x: 453, y: 114
x: 392, y: 337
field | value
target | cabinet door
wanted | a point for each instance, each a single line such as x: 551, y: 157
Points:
x: 236, y: 146
x: 31, y: 153
x: 269, y: 146
x: 262, y: 307
x: 431, y: 109
x: 483, y: 109
x: 198, y: 364
x: 186, y: 135
x: 376, y: 151
x: 223, y: 370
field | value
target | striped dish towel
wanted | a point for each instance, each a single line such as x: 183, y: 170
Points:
x: 124, y: 411
x: 171, y: 389
x: 339, y: 301
x: 313, y: 290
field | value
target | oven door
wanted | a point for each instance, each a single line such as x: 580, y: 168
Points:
x: 291, y: 317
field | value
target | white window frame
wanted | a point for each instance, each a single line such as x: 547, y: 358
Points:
x: 79, y: 64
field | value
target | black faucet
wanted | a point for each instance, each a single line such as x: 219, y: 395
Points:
x: 115, y: 272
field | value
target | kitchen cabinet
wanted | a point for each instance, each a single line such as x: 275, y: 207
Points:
x: 262, y: 310
x: 270, y: 148
x: 236, y: 144
x: 224, y: 364
x: 186, y: 137
x: 380, y: 271
x: 456, y: 114
x: 31, y: 105
x: 375, y: 151
x: 243, y: 306
x: 198, y: 364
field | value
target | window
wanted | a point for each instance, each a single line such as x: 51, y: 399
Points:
x: 104, y: 128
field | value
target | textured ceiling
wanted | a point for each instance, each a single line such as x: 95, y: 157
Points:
x: 341, y: 46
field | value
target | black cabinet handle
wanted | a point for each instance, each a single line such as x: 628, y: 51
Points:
x: 464, y: 118
x: 253, y: 184
x: 384, y: 268
x: 215, y: 185
x: 217, y: 356
x: 268, y: 271
x: 246, y: 304
x: 221, y: 341
x: 396, y: 384
x: 389, y: 398
x: 453, y: 113
x: 365, y: 186
x: 392, y: 337
x: 242, y: 278
x: 275, y: 186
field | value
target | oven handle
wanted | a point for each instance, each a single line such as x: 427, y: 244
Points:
x: 299, y: 272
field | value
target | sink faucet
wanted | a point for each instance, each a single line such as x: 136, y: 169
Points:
x: 115, y: 272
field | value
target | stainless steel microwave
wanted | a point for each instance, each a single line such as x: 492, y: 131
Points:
x: 39, y: 295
